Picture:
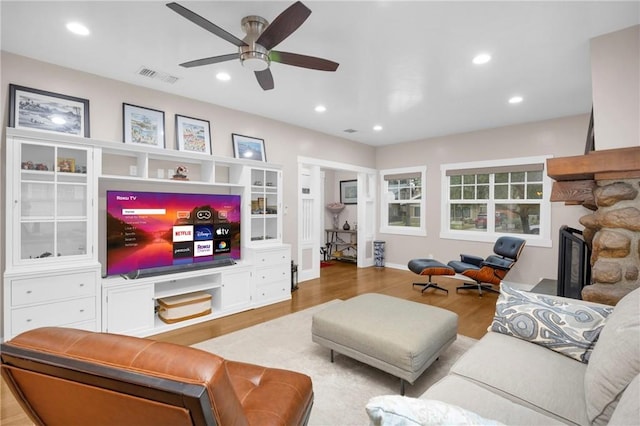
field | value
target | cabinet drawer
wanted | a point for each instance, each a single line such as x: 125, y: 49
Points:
x: 56, y: 287
x: 280, y: 273
x: 53, y: 314
x: 272, y: 291
x: 272, y: 257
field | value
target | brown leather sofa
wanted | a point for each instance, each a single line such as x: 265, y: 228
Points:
x: 64, y: 376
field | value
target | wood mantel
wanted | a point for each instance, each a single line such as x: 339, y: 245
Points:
x: 576, y: 176
x: 621, y: 163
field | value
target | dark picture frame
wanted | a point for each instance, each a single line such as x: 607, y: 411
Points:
x: 349, y: 191
x: 248, y: 147
x: 142, y: 126
x: 193, y: 134
x: 31, y: 108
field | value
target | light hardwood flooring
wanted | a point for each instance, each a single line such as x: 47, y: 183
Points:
x: 340, y: 281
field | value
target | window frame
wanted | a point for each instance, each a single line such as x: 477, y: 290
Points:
x: 543, y: 239
x: 385, y: 228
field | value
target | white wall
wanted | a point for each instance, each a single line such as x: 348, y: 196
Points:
x: 615, y: 73
x: 559, y: 137
x: 283, y: 142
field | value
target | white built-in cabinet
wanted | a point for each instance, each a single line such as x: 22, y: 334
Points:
x: 272, y: 273
x: 53, y: 275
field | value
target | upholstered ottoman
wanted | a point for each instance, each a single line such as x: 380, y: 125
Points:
x: 397, y: 336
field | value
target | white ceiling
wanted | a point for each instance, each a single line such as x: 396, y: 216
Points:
x: 405, y: 65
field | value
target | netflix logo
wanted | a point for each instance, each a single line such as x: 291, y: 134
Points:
x: 182, y: 233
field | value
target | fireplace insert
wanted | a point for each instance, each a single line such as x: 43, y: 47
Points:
x: 574, y: 267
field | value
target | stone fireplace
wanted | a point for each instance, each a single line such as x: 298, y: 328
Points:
x: 607, y: 182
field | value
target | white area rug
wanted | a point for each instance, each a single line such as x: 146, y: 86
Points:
x: 341, y: 389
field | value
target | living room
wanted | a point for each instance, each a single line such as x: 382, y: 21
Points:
x: 556, y: 136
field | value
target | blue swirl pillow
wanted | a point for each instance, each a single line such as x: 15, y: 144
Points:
x: 571, y: 329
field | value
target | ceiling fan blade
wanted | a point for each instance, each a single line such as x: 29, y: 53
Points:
x: 303, y: 61
x: 265, y: 79
x: 284, y: 24
x: 210, y: 60
x: 207, y: 25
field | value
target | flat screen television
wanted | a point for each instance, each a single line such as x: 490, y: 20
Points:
x: 163, y: 231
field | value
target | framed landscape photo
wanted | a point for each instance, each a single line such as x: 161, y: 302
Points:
x: 193, y: 135
x: 248, y: 148
x: 143, y: 126
x: 52, y: 112
x: 349, y: 191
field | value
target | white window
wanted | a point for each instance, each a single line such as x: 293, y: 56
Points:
x: 403, y: 201
x: 483, y: 200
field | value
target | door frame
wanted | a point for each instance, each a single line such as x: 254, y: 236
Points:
x: 311, y: 227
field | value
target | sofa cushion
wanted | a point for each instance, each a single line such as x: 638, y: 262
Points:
x: 555, y: 323
x: 615, y: 360
x: 627, y: 411
x: 396, y: 410
x: 528, y: 374
x: 471, y: 396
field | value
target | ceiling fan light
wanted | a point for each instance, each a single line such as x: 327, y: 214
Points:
x: 254, y: 63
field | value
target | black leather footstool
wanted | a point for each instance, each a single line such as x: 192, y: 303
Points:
x: 430, y: 267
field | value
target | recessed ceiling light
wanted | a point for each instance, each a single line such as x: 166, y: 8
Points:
x: 481, y: 59
x: 515, y: 99
x: 223, y: 76
x: 377, y: 127
x: 320, y: 108
x: 78, y: 28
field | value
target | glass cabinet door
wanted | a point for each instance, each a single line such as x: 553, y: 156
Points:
x: 264, y: 204
x: 53, y: 202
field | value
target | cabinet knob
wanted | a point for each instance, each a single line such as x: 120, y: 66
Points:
x: 28, y: 319
x: 28, y: 291
x: 81, y: 284
x: 81, y: 310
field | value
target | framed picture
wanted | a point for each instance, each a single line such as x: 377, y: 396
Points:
x: 193, y: 135
x: 48, y: 111
x: 248, y: 147
x: 66, y: 165
x: 144, y: 126
x: 349, y: 191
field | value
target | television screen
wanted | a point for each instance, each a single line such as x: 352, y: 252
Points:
x: 147, y: 230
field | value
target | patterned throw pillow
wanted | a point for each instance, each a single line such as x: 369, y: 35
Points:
x: 550, y: 321
x: 396, y: 410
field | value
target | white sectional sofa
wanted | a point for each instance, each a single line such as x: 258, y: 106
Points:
x: 510, y: 380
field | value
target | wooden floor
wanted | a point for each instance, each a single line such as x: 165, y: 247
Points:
x: 339, y: 281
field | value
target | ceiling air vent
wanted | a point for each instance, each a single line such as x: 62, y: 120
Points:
x: 350, y: 130
x: 162, y: 76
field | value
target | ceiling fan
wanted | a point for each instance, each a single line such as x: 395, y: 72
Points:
x: 255, y: 50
